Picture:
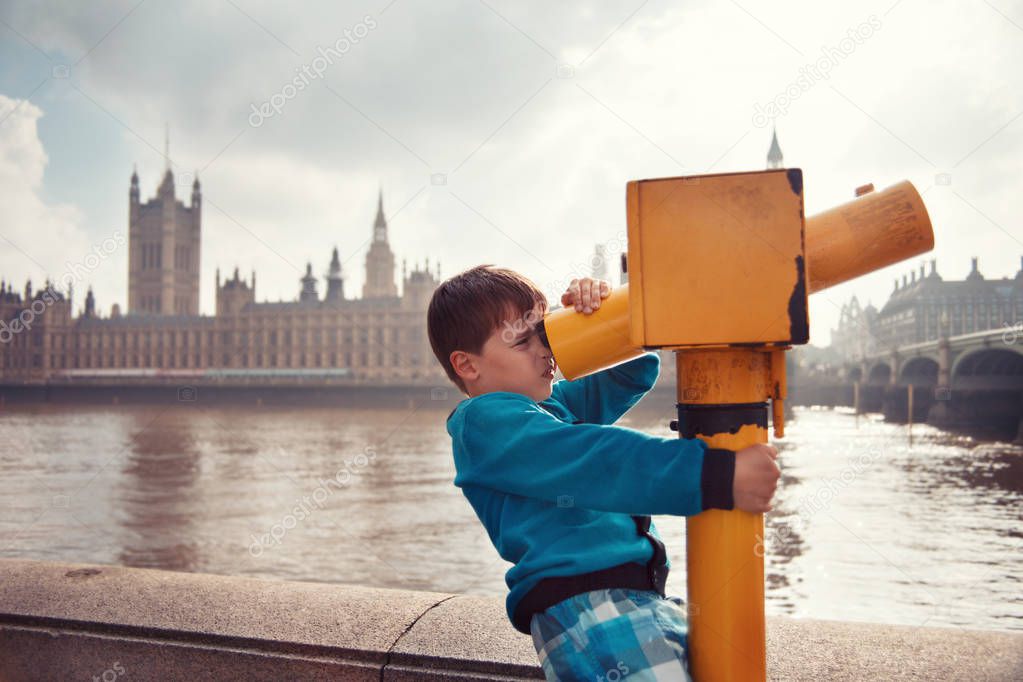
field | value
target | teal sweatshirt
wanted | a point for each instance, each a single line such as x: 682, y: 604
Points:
x: 556, y: 485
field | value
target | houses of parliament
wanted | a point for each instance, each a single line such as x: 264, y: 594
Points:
x: 379, y: 338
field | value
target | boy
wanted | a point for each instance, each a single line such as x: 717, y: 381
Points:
x: 564, y: 495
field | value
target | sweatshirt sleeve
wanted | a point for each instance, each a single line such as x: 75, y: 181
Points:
x: 510, y: 444
x: 603, y: 397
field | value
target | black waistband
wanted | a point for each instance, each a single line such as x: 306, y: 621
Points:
x: 631, y: 575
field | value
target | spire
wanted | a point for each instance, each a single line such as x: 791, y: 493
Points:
x: 308, y: 293
x: 90, y: 303
x: 133, y: 193
x: 974, y: 275
x: 167, y: 184
x: 379, y: 259
x: 380, y: 224
x: 335, y: 281
x: 774, y: 155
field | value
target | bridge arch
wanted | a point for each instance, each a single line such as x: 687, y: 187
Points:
x: 879, y: 374
x: 919, y: 371
x: 988, y: 368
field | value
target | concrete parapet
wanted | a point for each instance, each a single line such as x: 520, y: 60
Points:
x: 79, y: 621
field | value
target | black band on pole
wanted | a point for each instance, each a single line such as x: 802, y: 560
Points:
x: 709, y: 420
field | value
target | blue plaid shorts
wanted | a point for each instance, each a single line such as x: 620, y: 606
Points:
x: 613, y: 634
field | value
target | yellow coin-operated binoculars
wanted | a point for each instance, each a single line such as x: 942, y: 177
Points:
x: 720, y: 267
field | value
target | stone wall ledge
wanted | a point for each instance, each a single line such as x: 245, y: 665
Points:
x: 84, y: 621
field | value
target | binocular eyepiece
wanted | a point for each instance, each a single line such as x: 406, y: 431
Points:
x: 540, y: 329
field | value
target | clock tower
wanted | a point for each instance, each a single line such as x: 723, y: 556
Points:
x: 379, y: 260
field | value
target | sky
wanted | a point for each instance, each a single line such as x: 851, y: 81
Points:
x: 498, y: 132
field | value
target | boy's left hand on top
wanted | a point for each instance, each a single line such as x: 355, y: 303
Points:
x: 585, y: 294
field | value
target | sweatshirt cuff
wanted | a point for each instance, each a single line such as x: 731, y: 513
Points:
x: 717, y: 477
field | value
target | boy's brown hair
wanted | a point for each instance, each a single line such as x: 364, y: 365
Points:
x: 467, y: 308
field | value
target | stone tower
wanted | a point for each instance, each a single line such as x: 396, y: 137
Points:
x: 163, y: 250
x: 774, y: 155
x: 379, y: 260
x: 308, y: 292
x: 335, y: 280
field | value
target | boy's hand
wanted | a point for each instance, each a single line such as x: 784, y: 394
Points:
x: 585, y: 294
x: 756, y: 476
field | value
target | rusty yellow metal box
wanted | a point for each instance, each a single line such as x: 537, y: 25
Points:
x: 717, y: 259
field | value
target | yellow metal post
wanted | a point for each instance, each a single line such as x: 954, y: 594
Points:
x: 722, y: 398
x: 909, y: 408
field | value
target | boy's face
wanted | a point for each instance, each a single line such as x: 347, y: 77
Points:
x: 512, y: 359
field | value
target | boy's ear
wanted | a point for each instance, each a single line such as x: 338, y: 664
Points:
x: 464, y: 365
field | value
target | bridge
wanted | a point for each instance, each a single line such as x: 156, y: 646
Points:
x: 971, y: 380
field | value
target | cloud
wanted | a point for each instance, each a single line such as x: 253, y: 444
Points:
x: 39, y: 237
x: 535, y: 158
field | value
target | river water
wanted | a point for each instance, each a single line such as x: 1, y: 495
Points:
x: 866, y: 525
